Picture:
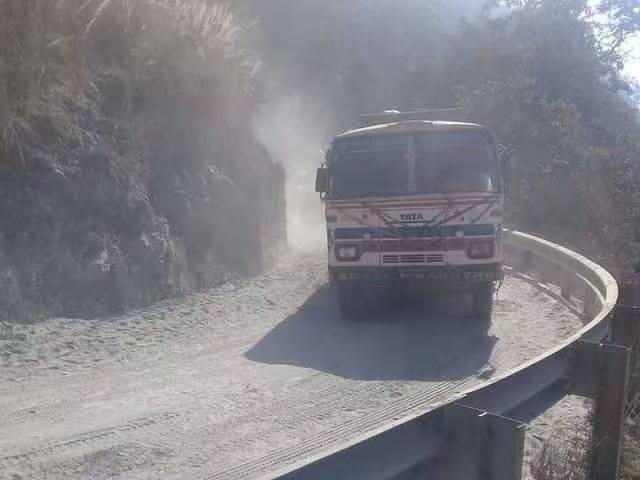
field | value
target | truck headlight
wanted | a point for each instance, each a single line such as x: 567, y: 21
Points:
x: 347, y: 253
x: 481, y: 249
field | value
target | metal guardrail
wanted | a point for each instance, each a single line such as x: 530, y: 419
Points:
x: 468, y: 433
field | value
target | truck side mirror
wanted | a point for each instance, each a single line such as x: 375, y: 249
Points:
x: 322, y: 180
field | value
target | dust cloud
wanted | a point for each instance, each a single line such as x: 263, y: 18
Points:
x: 305, y: 106
x: 295, y: 132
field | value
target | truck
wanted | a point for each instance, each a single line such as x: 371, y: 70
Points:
x: 413, y: 199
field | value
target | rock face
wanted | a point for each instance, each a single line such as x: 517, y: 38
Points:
x: 80, y: 243
x: 128, y: 172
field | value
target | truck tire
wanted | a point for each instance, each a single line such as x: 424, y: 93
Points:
x: 350, y: 301
x: 483, y: 301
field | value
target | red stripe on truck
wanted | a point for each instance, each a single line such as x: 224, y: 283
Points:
x: 412, y: 245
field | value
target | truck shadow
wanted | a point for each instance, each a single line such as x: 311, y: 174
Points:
x: 391, y: 343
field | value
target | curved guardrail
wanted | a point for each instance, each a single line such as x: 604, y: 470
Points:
x: 577, y: 275
x: 408, y: 443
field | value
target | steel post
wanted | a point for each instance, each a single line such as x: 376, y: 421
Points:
x: 609, y: 408
x: 601, y: 372
x: 481, y: 445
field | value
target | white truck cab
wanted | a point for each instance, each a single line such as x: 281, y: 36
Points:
x: 414, y: 201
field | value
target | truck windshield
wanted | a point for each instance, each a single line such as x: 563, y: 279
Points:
x: 440, y: 162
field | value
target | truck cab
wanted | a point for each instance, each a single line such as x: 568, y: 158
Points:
x: 414, y: 201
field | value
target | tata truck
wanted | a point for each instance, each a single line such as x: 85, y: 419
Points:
x: 414, y: 201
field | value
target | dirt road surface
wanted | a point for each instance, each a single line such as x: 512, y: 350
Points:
x: 194, y: 388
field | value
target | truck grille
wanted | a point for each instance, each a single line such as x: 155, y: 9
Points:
x: 413, y: 258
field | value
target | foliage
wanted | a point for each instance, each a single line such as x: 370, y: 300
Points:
x: 127, y: 171
x: 69, y: 62
x: 353, y: 55
x: 540, y: 72
x: 123, y: 120
x: 559, y: 104
x: 624, y: 21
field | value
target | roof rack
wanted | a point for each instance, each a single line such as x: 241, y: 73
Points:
x: 394, y: 116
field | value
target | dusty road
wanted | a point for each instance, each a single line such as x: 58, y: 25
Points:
x: 194, y: 388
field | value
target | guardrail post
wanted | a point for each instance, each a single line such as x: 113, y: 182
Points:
x: 610, y: 402
x: 481, y: 445
x: 601, y: 373
x: 625, y: 327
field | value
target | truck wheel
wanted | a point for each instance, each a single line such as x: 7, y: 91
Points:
x: 483, y: 302
x: 349, y: 298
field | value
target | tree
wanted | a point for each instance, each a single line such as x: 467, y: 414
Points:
x: 624, y: 21
x: 539, y: 77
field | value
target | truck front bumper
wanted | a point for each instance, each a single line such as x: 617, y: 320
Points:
x: 445, y: 276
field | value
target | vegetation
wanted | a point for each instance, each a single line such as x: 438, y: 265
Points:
x: 127, y: 170
x: 558, y: 101
x: 563, y: 457
x: 545, y: 74
x: 631, y: 455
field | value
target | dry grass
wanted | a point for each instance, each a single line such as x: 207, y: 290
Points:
x: 61, y: 61
x: 564, y: 456
x: 43, y: 77
x: 631, y: 454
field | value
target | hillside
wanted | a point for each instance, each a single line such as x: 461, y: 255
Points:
x: 127, y: 171
x: 145, y: 143
x: 546, y: 75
